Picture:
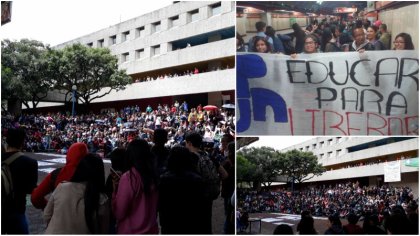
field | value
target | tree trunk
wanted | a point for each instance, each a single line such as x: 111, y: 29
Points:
x: 14, y: 106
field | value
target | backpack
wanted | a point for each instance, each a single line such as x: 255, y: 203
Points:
x: 6, y: 176
x: 208, y: 171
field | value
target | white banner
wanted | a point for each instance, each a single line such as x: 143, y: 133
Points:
x: 392, y: 171
x: 372, y: 93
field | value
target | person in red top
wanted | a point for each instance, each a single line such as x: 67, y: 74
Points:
x: 196, y: 71
x: 76, y: 152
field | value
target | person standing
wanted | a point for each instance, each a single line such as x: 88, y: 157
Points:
x: 24, y: 177
x: 135, y: 196
x: 360, y: 42
x: 181, y: 196
x: 385, y: 36
x: 80, y: 206
x: 260, y: 27
x: 76, y: 152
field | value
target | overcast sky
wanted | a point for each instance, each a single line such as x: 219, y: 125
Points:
x: 54, y: 22
x: 280, y: 142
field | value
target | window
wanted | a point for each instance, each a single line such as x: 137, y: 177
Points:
x: 173, y: 21
x: 124, y: 36
x: 329, y: 154
x: 124, y: 57
x: 307, y: 148
x: 338, y: 152
x: 156, y: 50
x: 101, y: 43
x: 140, y: 32
x: 156, y: 27
x: 90, y: 44
x: 321, y: 144
x: 314, y: 146
x: 113, y: 40
x: 139, y: 53
x: 330, y: 141
x: 193, y: 15
x: 321, y: 155
x: 216, y: 9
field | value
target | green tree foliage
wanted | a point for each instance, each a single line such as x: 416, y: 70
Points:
x: 301, y: 166
x: 245, y: 169
x: 265, y: 165
x: 24, y: 77
x: 93, y: 70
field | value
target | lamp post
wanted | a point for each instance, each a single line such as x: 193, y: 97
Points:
x: 73, y: 88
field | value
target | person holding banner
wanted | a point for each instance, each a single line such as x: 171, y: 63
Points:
x: 261, y: 45
x: 360, y: 43
x: 403, y: 42
x: 310, y: 45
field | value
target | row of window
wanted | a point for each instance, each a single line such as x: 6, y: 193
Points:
x: 156, y: 26
x: 335, y: 153
x: 140, y: 53
x: 322, y: 144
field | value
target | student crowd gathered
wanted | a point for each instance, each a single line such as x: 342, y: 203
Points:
x: 158, y: 183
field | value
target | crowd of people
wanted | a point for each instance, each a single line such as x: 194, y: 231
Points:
x: 325, y: 36
x: 397, y: 221
x: 176, y: 75
x: 109, y: 130
x: 326, y: 200
x: 163, y: 159
x: 148, y: 183
x: 342, y: 200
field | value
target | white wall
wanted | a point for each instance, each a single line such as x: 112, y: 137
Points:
x: 404, y: 19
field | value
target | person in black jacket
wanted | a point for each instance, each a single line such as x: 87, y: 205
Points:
x: 24, y: 172
x: 181, y: 196
x: 360, y: 43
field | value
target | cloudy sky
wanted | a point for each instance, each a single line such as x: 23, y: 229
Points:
x: 55, y: 22
x: 280, y: 142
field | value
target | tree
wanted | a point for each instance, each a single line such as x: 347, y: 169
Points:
x: 93, y: 70
x: 24, y: 79
x: 267, y: 164
x: 300, y: 166
x: 244, y: 170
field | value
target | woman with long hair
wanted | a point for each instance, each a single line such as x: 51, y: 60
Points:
x: 403, y: 42
x: 328, y: 41
x: 261, y: 45
x: 80, y: 206
x: 372, y: 38
x: 135, y: 196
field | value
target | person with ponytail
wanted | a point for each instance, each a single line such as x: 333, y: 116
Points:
x: 135, y: 196
x: 80, y: 206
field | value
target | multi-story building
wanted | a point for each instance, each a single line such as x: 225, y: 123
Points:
x: 163, y: 51
x: 363, y: 158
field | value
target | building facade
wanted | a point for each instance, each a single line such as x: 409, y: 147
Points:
x: 185, y: 51
x: 363, y: 158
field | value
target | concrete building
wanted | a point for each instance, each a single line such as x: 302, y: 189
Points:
x: 363, y: 159
x: 159, y: 48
